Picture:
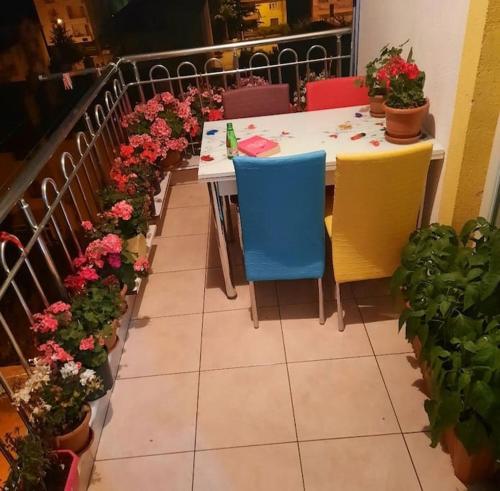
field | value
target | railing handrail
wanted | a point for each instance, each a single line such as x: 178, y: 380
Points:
x: 236, y: 45
x: 35, y: 164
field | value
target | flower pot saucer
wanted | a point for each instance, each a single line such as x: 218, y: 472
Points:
x: 115, y: 344
x: 402, y: 141
x: 88, y: 445
x: 377, y: 115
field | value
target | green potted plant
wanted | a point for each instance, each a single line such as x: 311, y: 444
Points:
x: 405, y: 105
x: 377, y: 90
x: 452, y: 287
x: 34, y: 467
x: 55, y: 398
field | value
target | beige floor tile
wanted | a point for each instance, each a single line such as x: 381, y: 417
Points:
x: 376, y: 463
x: 261, y: 468
x: 307, y: 339
x: 215, y: 294
x: 244, y: 406
x: 404, y: 383
x: 371, y: 288
x: 380, y: 315
x: 230, y: 340
x: 188, y: 195
x: 180, y: 253
x: 149, y: 416
x: 185, y: 221
x: 162, y: 345
x: 174, y: 293
x: 293, y: 292
x: 433, y: 465
x: 184, y: 176
x: 168, y: 472
x: 339, y: 398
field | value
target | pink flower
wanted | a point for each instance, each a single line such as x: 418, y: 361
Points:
x: 114, y: 260
x: 122, y: 210
x: 126, y: 151
x: 87, y: 225
x: 167, y: 98
x: 141, y: 265
x: 74, y: 282
x: 160, y: 128
x: 88, y: 274
x: 58, y: 308
x: 79, y: 261
x: 111, y: 244
x: 53, y: 352
x: 87, y: 344
x: 215, y: 115
x: 44, y: 323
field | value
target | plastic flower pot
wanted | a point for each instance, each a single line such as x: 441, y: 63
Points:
x: 172, y: 159
x: 377, y: 106
x: 67, y: 477
x: 137, y: 245
x: 104, y: 372
x: 404, y: 126
x: 77, y: 439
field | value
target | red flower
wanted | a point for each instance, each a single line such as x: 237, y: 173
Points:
x: 87, y: 344
x: 215, y: 115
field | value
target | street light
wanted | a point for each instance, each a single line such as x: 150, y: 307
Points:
x: 59, y: 21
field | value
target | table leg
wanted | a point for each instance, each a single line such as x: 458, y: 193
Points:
x: 228, y: 221
x: 217, y: 213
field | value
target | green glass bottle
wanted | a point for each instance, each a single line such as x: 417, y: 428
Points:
x: 231, y: 141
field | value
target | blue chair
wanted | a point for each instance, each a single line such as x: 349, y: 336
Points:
x: 281, y: 204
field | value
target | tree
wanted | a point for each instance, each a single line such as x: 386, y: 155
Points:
x: 65, y: 52
x: 235, y: 15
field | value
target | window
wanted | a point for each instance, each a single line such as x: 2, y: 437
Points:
x: 332, y: 10
x: 275, y: 21
x: 273, y: 5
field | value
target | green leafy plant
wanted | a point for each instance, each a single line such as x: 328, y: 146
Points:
x: 29, y: 459
x: 451, y: 283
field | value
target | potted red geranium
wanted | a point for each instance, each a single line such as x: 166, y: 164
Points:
x: 405, y: 106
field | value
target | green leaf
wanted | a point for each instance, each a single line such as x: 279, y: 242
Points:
x: 488, y: 284
x: 482, y: 398
x: 472, y: 433
x: 471, y: 295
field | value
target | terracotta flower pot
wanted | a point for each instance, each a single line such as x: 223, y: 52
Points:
x: 172, y: 159
x: 469, y: 468
x: 404, y: 126
x: 77, y: 439
x: 377, y: 106
x: 111, y: 341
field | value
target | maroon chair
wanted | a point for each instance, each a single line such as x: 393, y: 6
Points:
x: 256, y: 101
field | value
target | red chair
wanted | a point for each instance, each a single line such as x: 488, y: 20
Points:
x: 256, y: 101
x: 335, y: 92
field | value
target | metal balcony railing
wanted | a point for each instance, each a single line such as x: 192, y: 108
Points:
x: 58, y: 186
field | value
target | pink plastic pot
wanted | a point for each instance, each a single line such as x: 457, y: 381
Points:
x: 72, y: 477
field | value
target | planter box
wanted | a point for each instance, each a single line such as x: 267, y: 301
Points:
x: 72, y: 477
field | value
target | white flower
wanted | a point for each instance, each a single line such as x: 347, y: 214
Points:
x: 86, y: 377
x: 70, y: 368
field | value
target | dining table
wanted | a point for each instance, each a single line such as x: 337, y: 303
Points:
x: 340, y: 130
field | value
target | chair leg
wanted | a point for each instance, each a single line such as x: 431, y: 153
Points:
x: 321, y: 301
x: 228, y: 220
x: 340, y: 310
x: 254, y: 305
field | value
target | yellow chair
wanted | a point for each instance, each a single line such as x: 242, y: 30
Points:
x: 377, y: 200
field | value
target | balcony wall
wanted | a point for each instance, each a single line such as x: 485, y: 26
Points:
x: 436, y: 31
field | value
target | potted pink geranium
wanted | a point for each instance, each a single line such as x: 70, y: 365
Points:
x: 159, y: 129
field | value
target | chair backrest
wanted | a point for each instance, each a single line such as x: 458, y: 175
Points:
x: 281, y: 208
x: 256, y: 101
x: 335, y: 92
x: 378, y: 196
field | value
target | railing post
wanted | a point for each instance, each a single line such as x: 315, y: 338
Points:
x: 25, y: 207
x: 138, y: 79
x: 339, y: 54
x: 125, y: 89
